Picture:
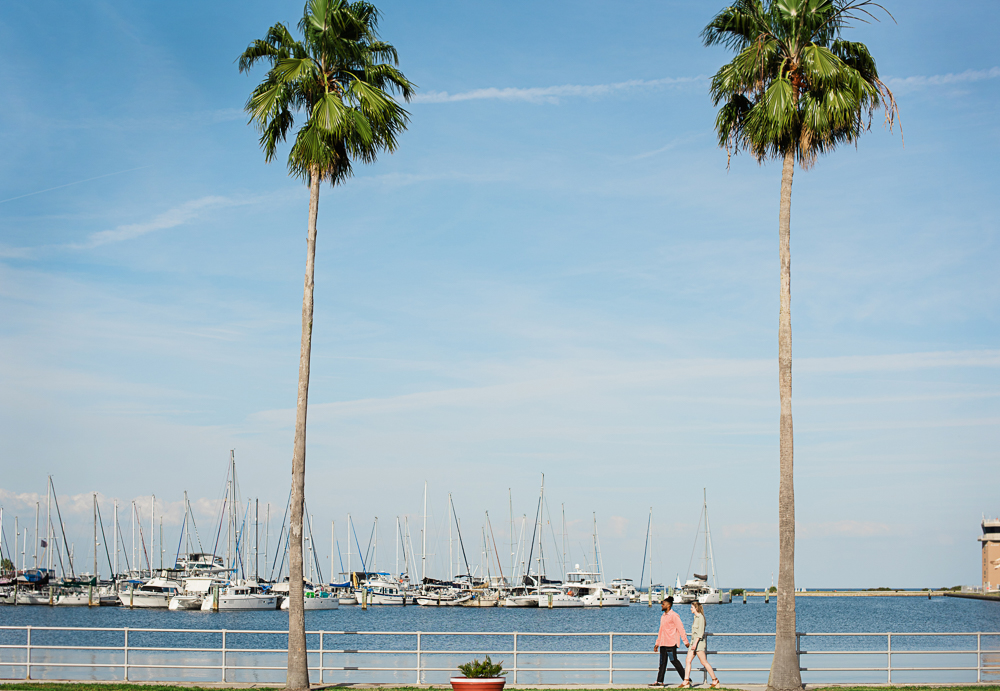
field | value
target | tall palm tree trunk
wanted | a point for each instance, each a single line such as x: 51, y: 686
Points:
x: 298, y: 670
x: 785, y: 674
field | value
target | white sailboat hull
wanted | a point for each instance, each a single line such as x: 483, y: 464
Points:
x: 557, y: 600
x: 521, y: 601
x: 314, y: 603
x: 27, y: 597
x: 178, y: 602
x: 250, y: 601
x: 76, y: 599
x: 144, y: 600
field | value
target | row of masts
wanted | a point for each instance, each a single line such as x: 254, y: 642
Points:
x: 526, y: 558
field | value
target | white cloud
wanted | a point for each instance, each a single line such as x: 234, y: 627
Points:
x: 920, y: 82
x: 168, y: 219
x: 900, y: 362
x: 552, y: 94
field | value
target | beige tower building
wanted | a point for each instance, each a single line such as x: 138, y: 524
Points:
x: 991, y: 554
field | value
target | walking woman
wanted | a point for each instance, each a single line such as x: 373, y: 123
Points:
x: 698, y: 647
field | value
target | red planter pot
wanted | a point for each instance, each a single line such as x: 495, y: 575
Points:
x: 478, y: 684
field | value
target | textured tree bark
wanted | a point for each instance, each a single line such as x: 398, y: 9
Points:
x: 298, y: 670
x: 785, y: 674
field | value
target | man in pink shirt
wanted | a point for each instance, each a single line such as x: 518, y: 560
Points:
x: 670, y: 634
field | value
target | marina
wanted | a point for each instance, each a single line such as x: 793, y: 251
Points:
x: 239, y: 574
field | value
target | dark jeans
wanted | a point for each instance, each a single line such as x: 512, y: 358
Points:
x: 669, y: 653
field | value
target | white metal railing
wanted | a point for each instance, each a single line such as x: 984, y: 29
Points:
x: 37, y: 654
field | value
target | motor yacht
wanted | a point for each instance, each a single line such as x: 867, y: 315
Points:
x: 154, y: 593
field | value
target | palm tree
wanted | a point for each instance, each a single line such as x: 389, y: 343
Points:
x: 340, y: 77
x: 795, y: 90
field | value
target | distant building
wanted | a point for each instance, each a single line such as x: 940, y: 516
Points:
x: 991, y: 554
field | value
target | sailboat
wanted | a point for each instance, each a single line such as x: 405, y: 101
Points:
x: 698, y: 588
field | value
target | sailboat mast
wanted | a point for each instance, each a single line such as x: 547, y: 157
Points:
x: 593, y: 539
x: 95, y: 536
x: 132, y: 522
x: 395, y: 539
x: 451, y: 558
x: 350, y: 527
x: 651, y: 581
x: 34, y: 556
x: 541, y: 500
x: 152, y: 527
x: 704, y: 509
x: 711, y: 549
x: 510, y: 508
x: 423, y: 540
x: 564, y: 536
x: 48, y: 528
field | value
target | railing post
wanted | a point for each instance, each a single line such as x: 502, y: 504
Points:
x: 223, y: 656
x: 979, y: 658
x: 320, y: 657
x: 888, y: 660
x: 126, y: 653
x: 27, y: 657
x: 611, y: 658
x: 419, y: 675
x: 798, y: 650
x: 515, y: 657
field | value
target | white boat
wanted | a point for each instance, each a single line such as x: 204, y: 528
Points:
x: 553, y: 597
x: 34, y: 597
x: 590, y: 589
x: 442, y: 597
x: 521, y: 597
x: 152, y: 594
x: 196, y: 589
x: 698, y: 588
x: 76, y: 598
x: 313, y: 598
x: 201, y: 564
x: 379, y: 590
x: 480, y: 597
x: 657, y: 591
x: 178, y: 602
x: 242, y: 595
x: 625, y: 588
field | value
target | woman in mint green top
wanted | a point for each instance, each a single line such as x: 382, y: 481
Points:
x: 698, y: 647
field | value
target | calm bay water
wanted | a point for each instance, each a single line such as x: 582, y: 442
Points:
x: 897, y: 615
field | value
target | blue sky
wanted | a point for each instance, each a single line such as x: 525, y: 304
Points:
x: 555, y: 273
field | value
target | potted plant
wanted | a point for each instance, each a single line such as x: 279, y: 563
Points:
x: 480, y: 676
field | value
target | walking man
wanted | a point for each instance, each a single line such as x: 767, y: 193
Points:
x: 670, y: 634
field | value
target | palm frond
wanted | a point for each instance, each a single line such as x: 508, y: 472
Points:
x: 341, y: 77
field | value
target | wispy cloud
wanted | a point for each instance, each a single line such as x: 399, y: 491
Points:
x: 921, y: 82
x: 168, y: 219
x: 900, y: 362
x: 69, y: 184
x: 552, y: 94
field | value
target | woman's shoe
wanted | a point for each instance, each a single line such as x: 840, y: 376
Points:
x: 715, y: 684
x: 685, y: 685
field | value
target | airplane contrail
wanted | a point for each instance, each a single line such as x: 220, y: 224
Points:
x: 68, y: 184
